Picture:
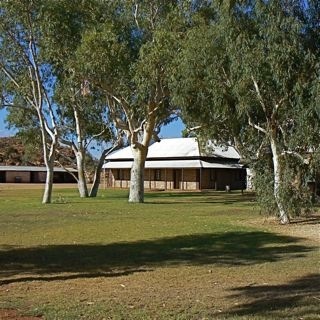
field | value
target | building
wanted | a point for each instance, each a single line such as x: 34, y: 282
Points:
x: 33, y: 174
x: 180, y: 164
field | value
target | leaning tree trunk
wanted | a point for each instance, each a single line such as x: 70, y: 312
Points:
x: 82, y: 184
x: 136, y: 194
x: 97, y: 175
x: 283, y: 215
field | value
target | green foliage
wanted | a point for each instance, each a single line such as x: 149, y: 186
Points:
x: 263, y: 183
x: 249, y: 75
x: 128, y: 56
x: 295, y: 190
x: 296, y: 194
x: 247, y: 72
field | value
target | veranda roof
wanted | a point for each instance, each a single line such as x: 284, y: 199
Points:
x: 173, y: 164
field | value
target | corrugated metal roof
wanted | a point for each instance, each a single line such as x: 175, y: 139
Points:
x: 155, y: 164
x: 178, y: 148
x: 124, y: 153
x: 210, y: 165
x: 219, y: 151
x: 118, y: 165
x: 33, y: 169
x: 172, y: 148
x: 173, y: 164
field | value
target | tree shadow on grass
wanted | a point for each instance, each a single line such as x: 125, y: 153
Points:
x: 199, y: 197
x: 310, y: 219
x: 123, y: 258
x: 301, y: 297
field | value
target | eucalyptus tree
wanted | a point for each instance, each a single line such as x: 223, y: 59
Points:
x: 248, y: 75
x: 84, y: 117
x: 85, y: 124
x: 27, y: 78
x: 127, y: 57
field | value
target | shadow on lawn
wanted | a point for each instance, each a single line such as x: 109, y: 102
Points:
x: 199, y: 197
x: 123, y: 258
x: 301, y: 296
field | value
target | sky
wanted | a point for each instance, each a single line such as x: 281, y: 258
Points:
x: 172, y: 130
x: 3, y: 131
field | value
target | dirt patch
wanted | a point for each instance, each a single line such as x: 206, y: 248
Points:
x: 302, y: 227
x: 7, y: 314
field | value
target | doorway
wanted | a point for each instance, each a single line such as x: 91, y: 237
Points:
x: 2, y: 176
x: 176, y: 178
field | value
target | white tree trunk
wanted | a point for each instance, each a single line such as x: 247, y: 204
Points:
x: 48, y: 184
x: 49, y: 147
x: 283, y: 216
x: 82, y: 183
x: 80, y: 156
x: 136, y: 193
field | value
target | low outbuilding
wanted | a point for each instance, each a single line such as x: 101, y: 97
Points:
x: 34, y: 174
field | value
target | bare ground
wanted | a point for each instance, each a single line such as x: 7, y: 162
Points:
x: 182, y: 287
x: 6, y: 314
x: 304, y: 227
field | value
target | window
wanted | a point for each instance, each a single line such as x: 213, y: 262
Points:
x: 213, y: 175
x: 119, y: 174
x: 157, y: 175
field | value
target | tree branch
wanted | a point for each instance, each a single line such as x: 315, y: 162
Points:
x: 119, y: 122
x: 228, y: 82
x: 255, y: 125
x: 136, y: 15
x: 67, y: 170
x: 15, y: 82
x: 194, y: 128
x: 296, y: 155
x: 68, y: 143
x: 9, y: 105
x: 96, y: 136
x: 257, y: 89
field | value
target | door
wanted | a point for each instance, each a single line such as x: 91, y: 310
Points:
x: 176, y: 178
x: 2, y: 176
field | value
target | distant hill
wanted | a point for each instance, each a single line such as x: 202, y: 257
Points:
x: 15, y: 152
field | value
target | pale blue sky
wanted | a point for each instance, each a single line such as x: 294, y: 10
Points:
x: 3, y: 131
x: 172, y: 130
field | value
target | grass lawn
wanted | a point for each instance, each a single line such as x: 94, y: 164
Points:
x: 177, y: 256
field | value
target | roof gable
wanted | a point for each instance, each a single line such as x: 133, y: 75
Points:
x: 174, y: 148
x: 218, y: 151
x: 178, y: 148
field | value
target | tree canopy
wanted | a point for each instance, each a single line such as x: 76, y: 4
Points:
x: 127, y: 58
x: 249, y: 76
x: 244, y: 72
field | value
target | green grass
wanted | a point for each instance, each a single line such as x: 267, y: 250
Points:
x: 177, y: 256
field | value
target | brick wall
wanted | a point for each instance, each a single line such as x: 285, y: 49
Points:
x: 186, y: 179
x: 17, y: 176
x: 121, y: 179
